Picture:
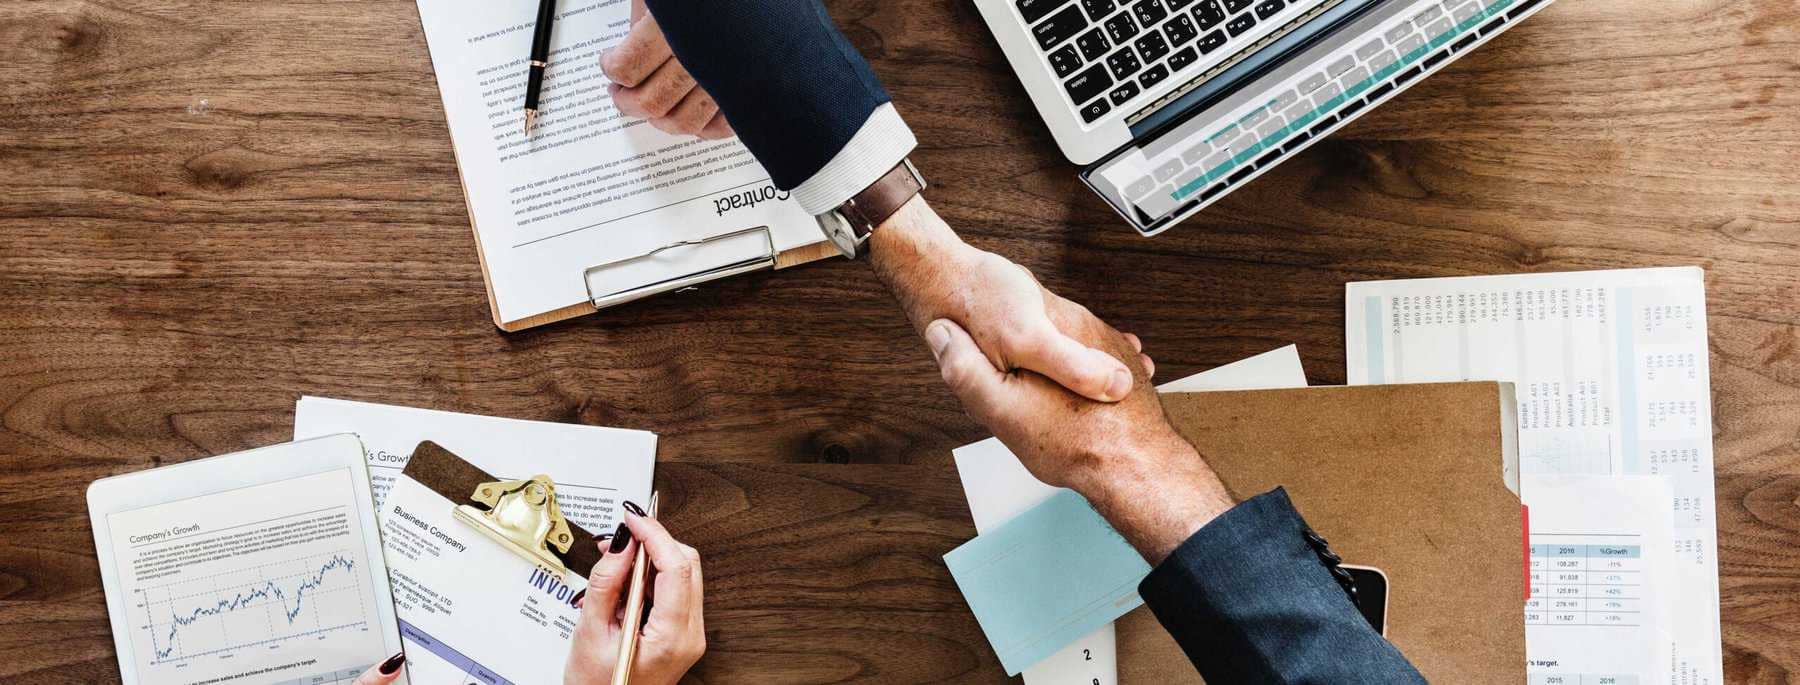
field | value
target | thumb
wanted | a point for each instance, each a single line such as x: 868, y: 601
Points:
x: 1083, y: 370
x: 965, y: 369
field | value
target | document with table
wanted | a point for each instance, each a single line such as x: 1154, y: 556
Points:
x: 1612, y: 376
x: 589, y: 187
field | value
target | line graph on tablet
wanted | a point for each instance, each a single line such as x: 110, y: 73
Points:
x: 255, y: 607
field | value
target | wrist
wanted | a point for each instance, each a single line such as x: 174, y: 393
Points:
x: 919, y: 257
x: 1157, y: 493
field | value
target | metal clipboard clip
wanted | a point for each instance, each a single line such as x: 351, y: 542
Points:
x: 522, y: 516
x: 720, y: 256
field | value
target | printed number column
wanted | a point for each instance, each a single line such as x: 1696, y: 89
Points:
x: 1615, y: 585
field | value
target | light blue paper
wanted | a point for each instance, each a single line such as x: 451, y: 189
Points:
x: 1047, y: 577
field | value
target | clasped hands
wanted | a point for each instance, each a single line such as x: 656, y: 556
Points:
x: 1069, y: 394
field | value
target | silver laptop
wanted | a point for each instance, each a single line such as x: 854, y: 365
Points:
x: 1171, y: 104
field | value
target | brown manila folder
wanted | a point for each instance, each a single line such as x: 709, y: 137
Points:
x: 1417, y: 480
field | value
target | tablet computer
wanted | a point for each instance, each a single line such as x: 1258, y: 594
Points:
x: 261, y: 567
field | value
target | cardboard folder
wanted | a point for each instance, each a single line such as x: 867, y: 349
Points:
x: 1411, y: 479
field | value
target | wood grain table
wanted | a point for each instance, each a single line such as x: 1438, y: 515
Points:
x: 208, y: 209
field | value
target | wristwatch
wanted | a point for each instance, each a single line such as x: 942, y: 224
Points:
x: 848, y: 225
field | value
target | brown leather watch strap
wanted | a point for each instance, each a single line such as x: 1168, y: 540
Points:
x: 880, y: 200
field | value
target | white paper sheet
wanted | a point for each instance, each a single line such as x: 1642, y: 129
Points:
x: 1601, y: 558
x: 998, y: 488
x: 594, y: 467
x: 589, y: 186
x: 1612, y: 377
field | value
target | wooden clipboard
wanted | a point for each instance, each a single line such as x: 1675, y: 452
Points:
x: 775, y: 260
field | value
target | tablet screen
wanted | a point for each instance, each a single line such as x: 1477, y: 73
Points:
x: 266, y: 584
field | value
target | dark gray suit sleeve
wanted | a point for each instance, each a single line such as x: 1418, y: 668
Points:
x: 1250, y: 601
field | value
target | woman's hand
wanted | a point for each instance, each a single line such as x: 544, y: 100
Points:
x: 674, y: 636
x: 383, y: 673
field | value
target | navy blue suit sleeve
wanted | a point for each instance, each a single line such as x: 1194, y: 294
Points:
x: 791, y: 85
x: 1250, y: 602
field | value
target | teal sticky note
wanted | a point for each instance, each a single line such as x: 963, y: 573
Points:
x: 1047, y: 577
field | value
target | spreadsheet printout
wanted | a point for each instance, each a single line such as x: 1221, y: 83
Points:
x: 1612, y: 376
x: 1600, y: 561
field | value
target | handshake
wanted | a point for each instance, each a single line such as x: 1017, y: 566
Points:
x: 1069, y: 394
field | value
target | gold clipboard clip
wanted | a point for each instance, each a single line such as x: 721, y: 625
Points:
x: 522, y: 515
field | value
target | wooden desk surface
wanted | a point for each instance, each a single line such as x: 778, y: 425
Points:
x: 208, y: 209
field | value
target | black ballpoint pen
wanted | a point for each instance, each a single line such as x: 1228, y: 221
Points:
x: 540, y: 58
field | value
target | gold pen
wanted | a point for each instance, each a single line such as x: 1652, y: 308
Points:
x: 634, y: 609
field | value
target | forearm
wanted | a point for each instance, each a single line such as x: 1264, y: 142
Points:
x: 915, y: 253
x: 1156, y: 492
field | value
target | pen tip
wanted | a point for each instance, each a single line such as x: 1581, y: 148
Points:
x: 530, y: 118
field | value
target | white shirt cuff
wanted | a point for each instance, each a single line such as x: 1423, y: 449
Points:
x: 876, y: 148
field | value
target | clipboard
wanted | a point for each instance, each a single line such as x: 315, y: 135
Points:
x: 729, y: 254
x: 520, y: 515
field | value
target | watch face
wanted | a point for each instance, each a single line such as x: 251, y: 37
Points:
x: 838, y: 231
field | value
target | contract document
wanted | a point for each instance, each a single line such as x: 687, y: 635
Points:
x: 589, y: 186
x: 1612, y: 376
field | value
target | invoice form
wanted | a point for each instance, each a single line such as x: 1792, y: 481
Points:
x: 1611, y: 368
x: 590, y: 186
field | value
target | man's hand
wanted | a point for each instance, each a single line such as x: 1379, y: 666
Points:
x: 1124, y: 457
x: 649, y: 83
x: 1012, y: 318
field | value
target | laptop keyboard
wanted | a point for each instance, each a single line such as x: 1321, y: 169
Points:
x: 1107, y: 52
x: 1312, y: 103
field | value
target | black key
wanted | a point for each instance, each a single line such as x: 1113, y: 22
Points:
x: 1065, y: 61
x: 1407, y: 75
x: 1176, y: 5
x: 1088, y: 84
x: 1034, y: 10
x: 1433, y: 60
x: 1493, y: 26
x: 1211, y: 42
x: 1152, y: 46
x: 1120, y: 28
x: 1324, y: 123
x: 1093, y: 45
x: 1268, y: 8
x: 1123, y: 63
x: 1182, y: 58
x: 1094, y: 110
x: 1350, y: 109
x: 1153, y: 75
x: 1239, y: 176
x: 1059, y: 27
x: 1240, y: 23
x: 1209, y: 14
x: 1296, y: 141
x: 1098, y: 9
x: 1522, y: 9
x: 1180, y: 29
x: 1210, y: 192
x: 1268, y: 159
x: 1378, y: 91
x: 1465, y: 42
x: 1125, y: 91
x: 1236, y: 6
x: 1149, y: 12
